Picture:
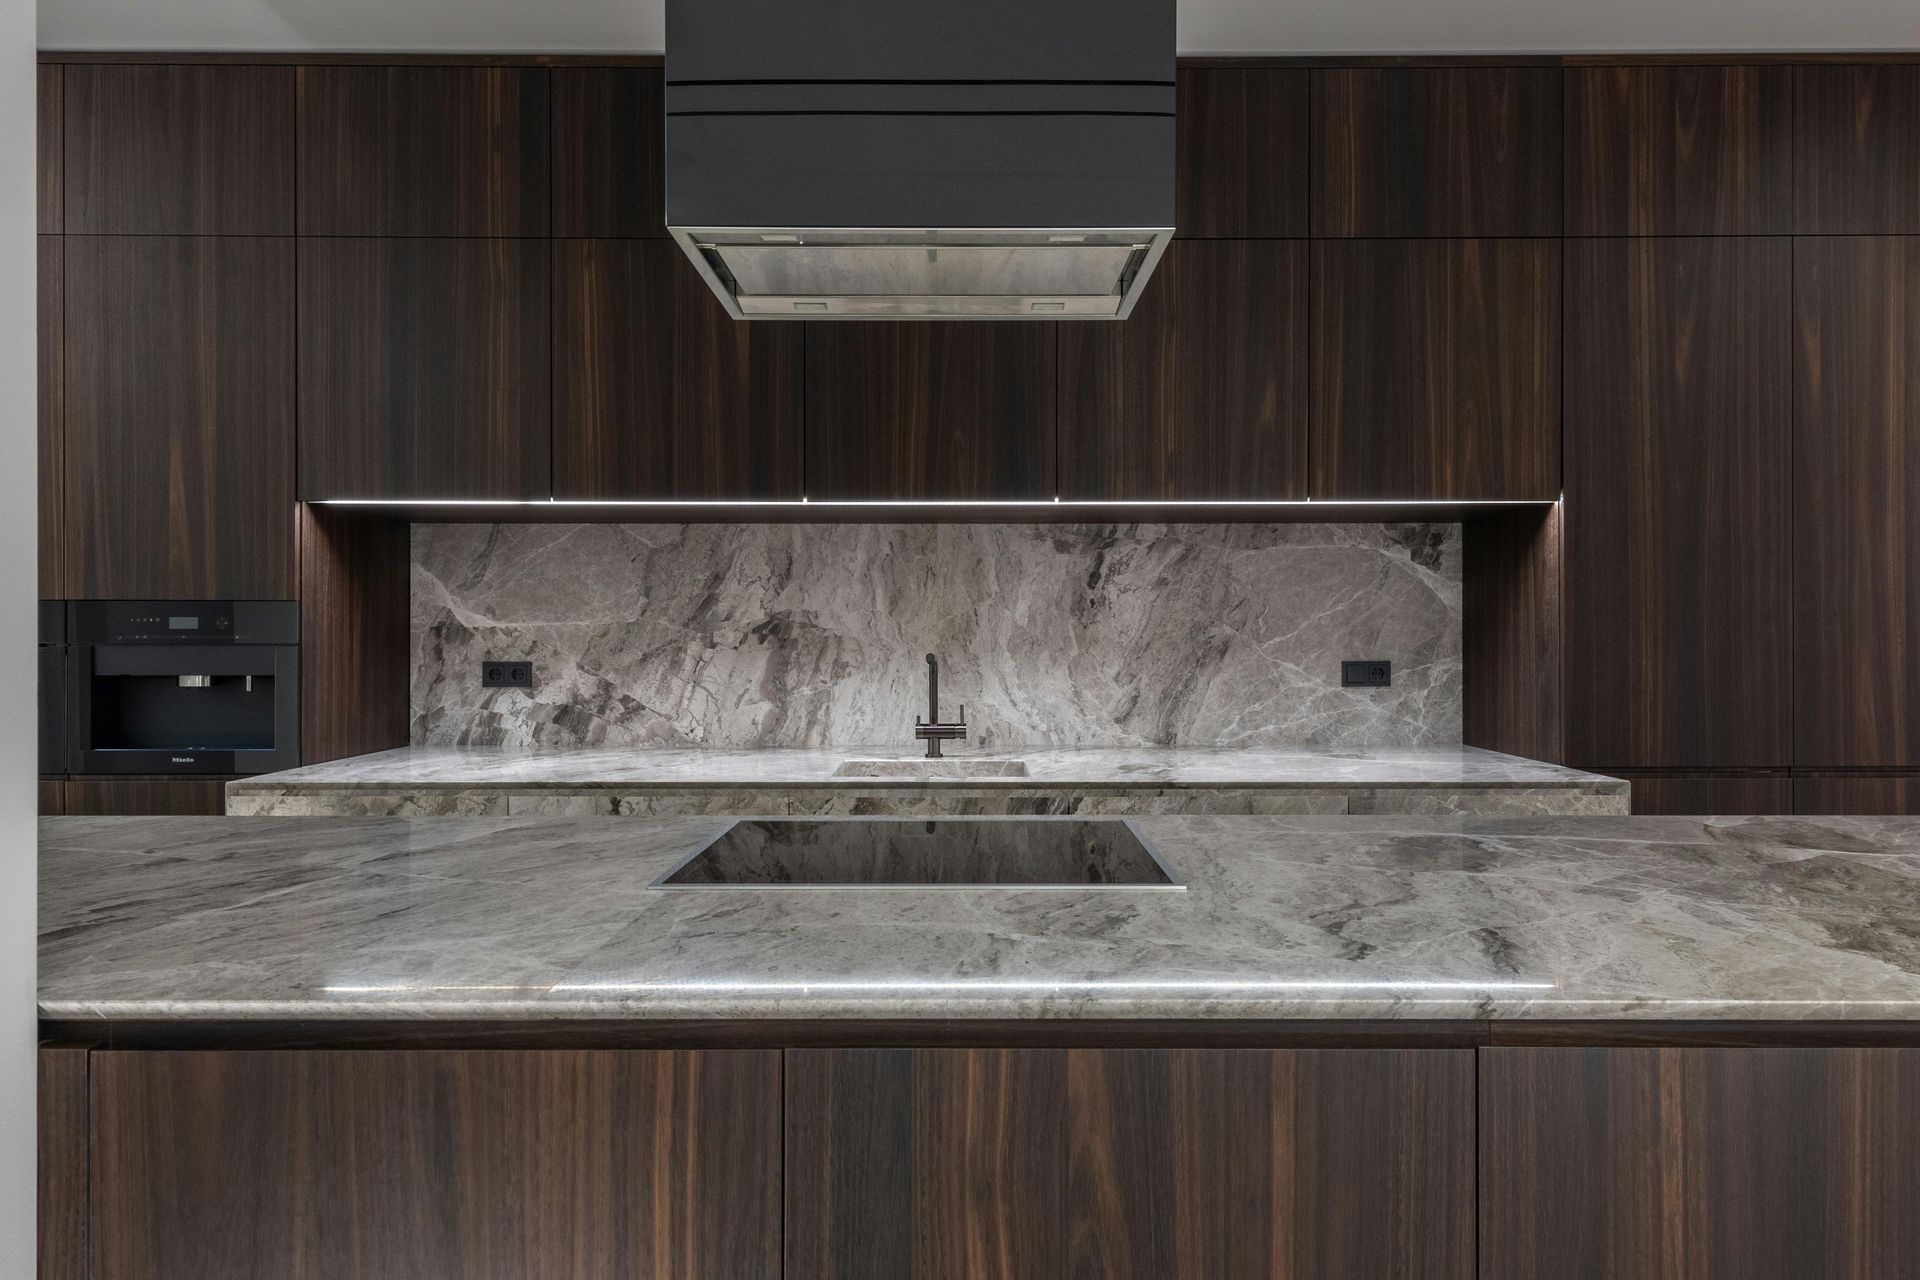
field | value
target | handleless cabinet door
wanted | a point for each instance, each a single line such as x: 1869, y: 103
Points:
x: 424, y: 368
x: 609, y: 171
x: 1202, y: 392
x: 344, y: 1165
x: 1857, y: 150
x: 660, y: 394
x: 424, y: 151
x: 1436, y: 369
x: 1009, y: 1164
x: 1679, y: 151
x: 1889, y: 794
x: 178, y: 150
x: 50, y: 444
x: 930, y: 410
x: 1679, y: 475
x: 1856, y: 512
x: 49, y: 180
x: 1240, y: 165
x: 1436, y: 151
x: 1699, y: 1164
x: 179, y: 417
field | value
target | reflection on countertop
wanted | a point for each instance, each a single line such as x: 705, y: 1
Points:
x: 1387, y: 917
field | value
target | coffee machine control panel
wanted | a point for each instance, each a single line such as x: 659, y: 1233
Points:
x: 186, y: 621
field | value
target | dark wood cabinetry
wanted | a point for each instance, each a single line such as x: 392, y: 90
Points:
x: 1857, y: 149
x: 1710, y: 793
x: 1202, y: 393
x: 349, y: 1164
x: 51, y: 388
x: 1678, y: 472
x: 660, y: 394
x: 1883, y: 793
x: 49, y: 180
x: 1664, y: 1164
x: 1241, y: 160
x: 1436, y: 151
x: 1679, y: 151
x: 942, y: 410
x: 179, y: 150
x: 179, y: 417
x: 609, y: 126
x: 424, y: 368
x: 177, y: 797
x: 1856, y: 511
x: 1178, y: 1164
x: 424, y: 151
x: 1436, y: 369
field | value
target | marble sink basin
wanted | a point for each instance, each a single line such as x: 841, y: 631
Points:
x: 961, y: 768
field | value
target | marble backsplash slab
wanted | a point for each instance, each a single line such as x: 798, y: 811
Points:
x: 800, y: 635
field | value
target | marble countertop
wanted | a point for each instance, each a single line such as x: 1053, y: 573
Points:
x: 522, y: 918
x: 480, y: 768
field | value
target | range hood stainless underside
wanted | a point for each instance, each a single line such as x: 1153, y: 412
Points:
x: 898, y: 273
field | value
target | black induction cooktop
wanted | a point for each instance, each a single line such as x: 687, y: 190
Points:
x: 956, y: 853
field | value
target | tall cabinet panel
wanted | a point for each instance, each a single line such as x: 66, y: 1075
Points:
x: 179, y: 416
x: 1678, y: 458
x: 660, y: 394
x: 424, y: 368
x: 930, y: 411
x: 1202, y: 392
x: 51, y: 390
x: 1856, y: 508
x: 609, y: 170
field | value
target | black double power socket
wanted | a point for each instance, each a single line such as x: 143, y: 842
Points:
x: 506, y: 675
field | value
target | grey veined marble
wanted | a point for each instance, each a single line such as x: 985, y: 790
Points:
x: 1375, y: 917
x: 737, y: 636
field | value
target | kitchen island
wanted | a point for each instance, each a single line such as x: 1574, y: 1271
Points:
x: 1385, y: 1046
x: 502, y: 781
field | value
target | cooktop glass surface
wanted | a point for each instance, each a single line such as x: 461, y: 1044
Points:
x: 919, y: 852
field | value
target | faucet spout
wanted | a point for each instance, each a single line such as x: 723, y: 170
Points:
x: 933, y: 689
x: 932, y: 730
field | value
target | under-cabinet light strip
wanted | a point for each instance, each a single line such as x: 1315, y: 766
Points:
x: 1024, y: 504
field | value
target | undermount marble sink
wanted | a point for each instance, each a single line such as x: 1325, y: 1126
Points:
x: 962, y: 768
x: 952, y: 853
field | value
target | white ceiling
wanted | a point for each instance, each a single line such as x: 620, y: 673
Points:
x: 1206, y: 26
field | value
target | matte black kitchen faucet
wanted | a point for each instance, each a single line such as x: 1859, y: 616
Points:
x: 931, y: 729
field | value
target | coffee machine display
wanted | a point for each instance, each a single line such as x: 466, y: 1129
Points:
x: 200, y: 686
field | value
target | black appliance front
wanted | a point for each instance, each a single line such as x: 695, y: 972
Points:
x: 184, y: 686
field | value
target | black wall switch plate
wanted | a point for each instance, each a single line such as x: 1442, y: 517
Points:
x: 1366, y: 675
x: 506, y: 675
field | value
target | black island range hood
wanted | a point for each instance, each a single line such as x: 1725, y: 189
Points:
x: 894, y: 159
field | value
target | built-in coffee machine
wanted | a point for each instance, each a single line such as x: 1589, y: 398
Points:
x: 182, y: 686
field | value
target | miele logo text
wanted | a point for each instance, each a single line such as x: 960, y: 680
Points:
x: 183, y: 759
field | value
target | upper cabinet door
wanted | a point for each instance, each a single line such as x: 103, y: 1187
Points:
x: 1436, y: 370
x: 179, y: 416
x: 423, y: 151
x: 1457, y: 151
x: 1202, y: 392
x: 49, y: 158
x: 609, y: 131
x: 1679, y: 151
x: 1856, y: 513
x: 1679, y: 470
x: 424, y: 369
x: 660, y: 393
x: 1857, y: 150
x: 178, y: 150
x: 930, y: 410
x: 1241, y: 162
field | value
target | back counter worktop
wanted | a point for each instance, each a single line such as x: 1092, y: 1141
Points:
x: 499, y: 781
x: 1396, y: 918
